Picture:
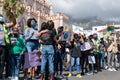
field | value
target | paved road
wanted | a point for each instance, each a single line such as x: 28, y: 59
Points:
x: 104, y: 75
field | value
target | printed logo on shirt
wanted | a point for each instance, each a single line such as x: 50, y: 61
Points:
x: 45, y: 36
x: 13, y: 41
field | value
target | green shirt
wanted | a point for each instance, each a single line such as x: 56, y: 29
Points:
x: 17, y: 45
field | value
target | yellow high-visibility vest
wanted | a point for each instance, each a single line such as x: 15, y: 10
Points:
x: 6, y: 36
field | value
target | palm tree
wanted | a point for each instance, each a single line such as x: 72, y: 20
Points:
x: 13, y: 9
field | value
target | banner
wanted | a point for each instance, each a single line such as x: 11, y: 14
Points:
x: 66, y: 36
x: 77, y: 29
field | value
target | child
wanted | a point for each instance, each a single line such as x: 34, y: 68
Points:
x: 17, y: 49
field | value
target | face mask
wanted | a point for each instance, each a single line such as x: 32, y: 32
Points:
x: 95, y: 38
x: 34, y: 25
x: 15, y: 34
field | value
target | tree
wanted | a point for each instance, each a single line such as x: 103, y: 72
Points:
x: 13, y: 9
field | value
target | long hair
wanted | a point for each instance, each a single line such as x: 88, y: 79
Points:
x: 43, y: 26
x: 50, y: 24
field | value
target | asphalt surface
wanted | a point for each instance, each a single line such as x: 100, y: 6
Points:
x: 104, y: 75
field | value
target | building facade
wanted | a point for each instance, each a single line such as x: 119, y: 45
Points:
x: 42, y: 12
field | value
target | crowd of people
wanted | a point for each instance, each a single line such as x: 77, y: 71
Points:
x: 44, y: 53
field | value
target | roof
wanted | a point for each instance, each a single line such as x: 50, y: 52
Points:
x: 103, y: 30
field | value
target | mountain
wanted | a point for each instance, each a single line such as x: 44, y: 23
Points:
x: 89, y: 22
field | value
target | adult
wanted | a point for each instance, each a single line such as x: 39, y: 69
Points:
x: 47, y: 38
x: 102, y: 51
x: 85, y: 50
x: 4, y: 43
x: 51, y: 26
x: 32, y: 59
x: 76, y: 42
x: 60, y: 50
x: 112, y: 46
x: 96, y: 43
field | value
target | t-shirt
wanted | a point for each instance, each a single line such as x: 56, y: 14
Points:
x: 75, y: 50
x: 2, y: 39
x: 28, y: 33
x: 85, y: 46
x: 102, y: 45
x: 62, y: 43
x: 47, y: 38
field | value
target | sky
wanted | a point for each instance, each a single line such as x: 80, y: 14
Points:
x: 88, y: 8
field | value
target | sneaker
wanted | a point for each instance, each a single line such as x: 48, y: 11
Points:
x: 16, y: 78
x: 70, y: 75
x: 95, y: 71
x: 79, y: 76
x: 60, y: 76
x: 109, y: 69
x: 91, y: 73
x: 113, y: 69
x: 12, y: 78
x: 106, y: 67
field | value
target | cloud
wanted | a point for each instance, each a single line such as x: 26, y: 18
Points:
x: 85, y: 8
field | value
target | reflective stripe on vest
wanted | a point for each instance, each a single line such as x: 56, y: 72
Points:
x: 7, y: 40
x: 96, y: 43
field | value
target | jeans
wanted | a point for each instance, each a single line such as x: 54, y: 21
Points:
x: 112, y: 59
x: 118, y: 59
x: 32, y: 46
x: 47, y: 54
x: 15, y: 64
x: 73, y: 59
x: 103, y: 59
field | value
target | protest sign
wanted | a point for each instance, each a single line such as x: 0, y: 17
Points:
x: 77, y: 29
x: 66, y: 36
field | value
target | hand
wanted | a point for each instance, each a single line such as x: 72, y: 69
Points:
x: 59, y: 46
x: 32, y: 34
x: 40, y: 41
x: 17, y: 25
x: 41, y: 32
x: 38, y: 52
x: 80, y: 35
x: 44, y: 31
x: 40, y: 58
x: 60, y: 39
